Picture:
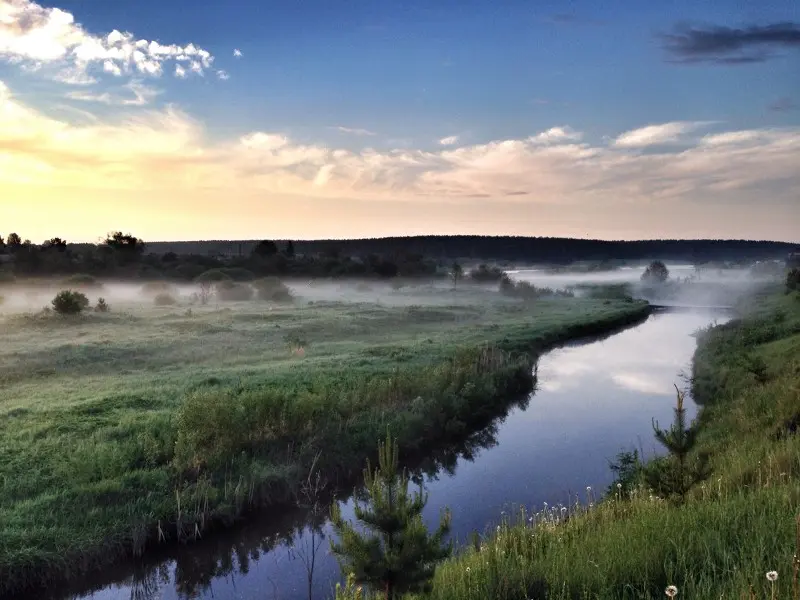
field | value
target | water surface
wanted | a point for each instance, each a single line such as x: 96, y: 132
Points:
x: 593, y: 400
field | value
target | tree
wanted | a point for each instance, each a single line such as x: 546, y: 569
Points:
x: 656, y: 272
x: 55, y: 244
x: 265, y: 248
x: 289, y: 249
x: 399, y: 555
x: 126, y: 247
x: 793, y: 279
x: 14, y: 242
x: 456, y: 273
x: 677, y: 474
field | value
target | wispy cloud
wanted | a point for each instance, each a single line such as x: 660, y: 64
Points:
x: 237, y: 53
x: 783, y: 104
x: 353, y: 130
x: 663, y: 133
x: 141, y: 95
x: 727, y: 45
x: 223, y: 75
x: 168, y: 151
x: 449, y: 140
x: 58, y: 46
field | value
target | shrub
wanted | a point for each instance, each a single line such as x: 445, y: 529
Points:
x: 70, y: 302
x: 101, y: 306
x: 272, y: 289
x: 164, y: 299
x: 486, y: 274
x: 793, y: 279
x: 81, y: 281
x: 230, y: 291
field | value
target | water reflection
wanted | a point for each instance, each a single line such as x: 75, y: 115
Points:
x: 593, y: 400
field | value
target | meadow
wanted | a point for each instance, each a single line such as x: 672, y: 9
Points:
x: 151, y: 424
x: 736, y: 527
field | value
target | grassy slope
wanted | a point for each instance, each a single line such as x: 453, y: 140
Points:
x: 736, y: 527
x: 121, y: 427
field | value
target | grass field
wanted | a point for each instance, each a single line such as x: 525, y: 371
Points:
x: 738, y: 525
x: 150, y: 424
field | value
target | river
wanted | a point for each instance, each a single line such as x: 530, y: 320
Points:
x: 593, y: 400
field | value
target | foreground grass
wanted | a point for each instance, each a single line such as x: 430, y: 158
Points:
x: 733, y: 529
x: 148, y: 425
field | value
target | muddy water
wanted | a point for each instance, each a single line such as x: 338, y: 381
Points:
x: 593, y: 400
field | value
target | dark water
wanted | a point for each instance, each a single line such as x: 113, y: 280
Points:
x: 593, y: 400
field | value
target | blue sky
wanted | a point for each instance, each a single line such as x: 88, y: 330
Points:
x: 358, y: 75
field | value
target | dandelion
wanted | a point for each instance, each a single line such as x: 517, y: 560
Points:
x: 772, y: 576
x: 671, y: 591
x: 467, y: 569
x: 619, y: 486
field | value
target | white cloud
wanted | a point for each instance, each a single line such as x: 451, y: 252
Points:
x: 449, y: 141
x: 167, y: 150
x: 180, y: 72
x: 237, y: 53
x: 223, y: 75
x: 657, y: 134
x: 354, y: 130
x: 51, y: 40
x: 141, y: 95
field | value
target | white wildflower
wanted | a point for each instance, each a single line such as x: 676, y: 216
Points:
x: 671, y: 591
x: 772, y: 576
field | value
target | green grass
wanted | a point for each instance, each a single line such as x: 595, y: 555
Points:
x: 149, y: 424
x: 734, y: 527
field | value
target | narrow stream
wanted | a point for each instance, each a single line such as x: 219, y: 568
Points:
x: 593, y: 400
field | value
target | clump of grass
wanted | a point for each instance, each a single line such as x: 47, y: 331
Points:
x: 101, y: 306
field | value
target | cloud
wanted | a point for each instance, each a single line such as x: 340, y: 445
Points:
x: 142, y: 95
x: 783, y: 104
x: 223, y: 75
x: 726, y: 45
x: 237, y: 53
x: 144, y: 151
x: 49, y: 40
x: 657, y: 134
x: 354, y: 130
x: 449, y: 141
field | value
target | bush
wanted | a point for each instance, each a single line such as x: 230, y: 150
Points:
x: 81, y: 281
x: 272, y: 289
x: 101, y: 306
x: 793, y: 279
x: 656, y: 272
x: 70, y: 302
x: 486, y: 274
x: 164, y: 299
x: 230, y: 291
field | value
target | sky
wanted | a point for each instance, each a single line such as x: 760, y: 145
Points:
x: 253, y: 119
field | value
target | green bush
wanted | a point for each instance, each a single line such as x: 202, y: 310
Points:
x: 230, y: 291
x: 164, y: 299
x: 793, y: 279
x: 272, y: 289
x: 70, y: 302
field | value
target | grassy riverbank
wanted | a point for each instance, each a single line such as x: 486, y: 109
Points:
x: 732, y: 530
x: 149, y: 424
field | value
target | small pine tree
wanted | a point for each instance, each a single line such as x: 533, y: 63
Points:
x: 677, y: 476
x: 399, y: 556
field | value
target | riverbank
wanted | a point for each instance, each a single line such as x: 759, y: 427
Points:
x: 161, y: 425
x: 733, y: 529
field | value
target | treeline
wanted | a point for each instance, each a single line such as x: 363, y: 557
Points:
x: 128, y: 257
x: 543, y: 250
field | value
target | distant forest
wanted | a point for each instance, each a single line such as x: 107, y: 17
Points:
x: 125, y: 256
x: 545, y: 250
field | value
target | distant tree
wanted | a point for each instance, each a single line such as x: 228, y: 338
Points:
x: 399, y: 555
x: 14, y: 242
x: 486, y: 274
x: 55, y: 244
x: 126, y: 247
x: 289, y: 249
x: 2, y: 244
x: 793, y: 279
x: 456, y: 273
x: 656, y: 272
x: 265, y: 248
